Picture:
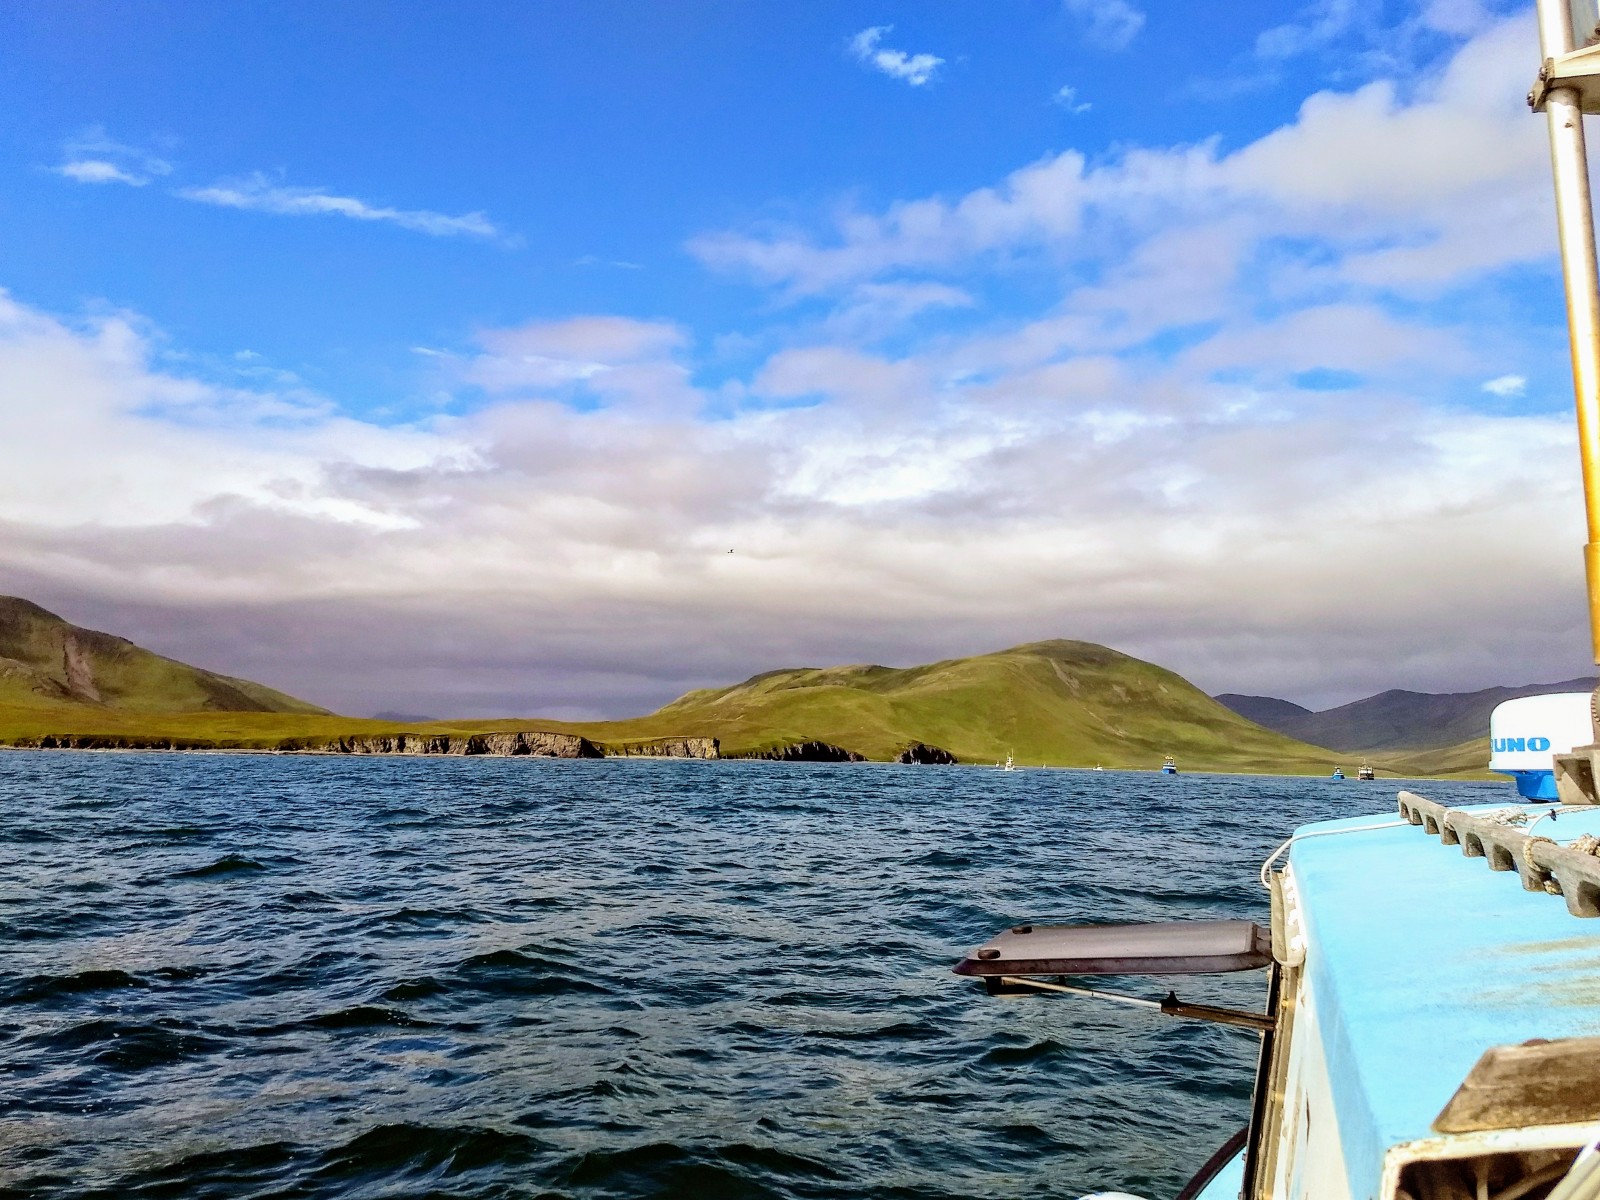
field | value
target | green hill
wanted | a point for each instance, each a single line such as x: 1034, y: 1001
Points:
x: 46, y: 662
x: 1056, y: 703
x: 1059, y: 703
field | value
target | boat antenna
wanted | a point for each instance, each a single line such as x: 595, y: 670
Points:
x: 1568, y: 86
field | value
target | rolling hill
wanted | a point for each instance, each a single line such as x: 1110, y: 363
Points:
x: 1394, y: 720
x: 48, y: 662
x: 1063, y: 703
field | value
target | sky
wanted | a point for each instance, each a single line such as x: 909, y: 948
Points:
x: 553, y: 358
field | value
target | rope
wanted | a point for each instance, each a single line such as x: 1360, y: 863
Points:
x: 1564, y: 810
x: 1502, y: 816
x: 1266, y: 867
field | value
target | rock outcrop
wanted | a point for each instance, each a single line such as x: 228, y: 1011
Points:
x: 109, y: 741
x: 676, y: 747
x: 503, y: 745
x: 806, y: 752
x: 528, y: 742
x: 923, y: 754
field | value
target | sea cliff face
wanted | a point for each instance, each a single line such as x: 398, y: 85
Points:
x: 678, y: 747
x: 108, y: 741
x: 540, y: 745
x: 529, y: 742
x: 923, y: 754
x: 806, y: 752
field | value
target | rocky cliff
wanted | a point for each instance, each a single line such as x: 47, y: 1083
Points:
x: 108, y: 741
x: 527, y: 742
x: 671, y: 747
x: 505, y: 745
x: 923, y: 755
x: 806, y: 752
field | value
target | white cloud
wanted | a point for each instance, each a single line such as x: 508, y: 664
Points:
x: 1040, y: 202
x: 910, y: 500
x: 1067, y: 97
x: 93, y: 170
x: 119, y: 443
x: 1113, y: 24
x: 258, y: 193
x: 1344, y: 178
x: 593, y: 260
x: 94, y: 157
x: 1461, y: 18
x: 1136, y: 460
x: 875, y: 310
x: 1506, y: 385
x: 915, y: 69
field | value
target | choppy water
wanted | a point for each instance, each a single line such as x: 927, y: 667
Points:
x: 251, y: 976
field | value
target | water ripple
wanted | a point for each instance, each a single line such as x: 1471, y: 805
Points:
x: 251, y: 976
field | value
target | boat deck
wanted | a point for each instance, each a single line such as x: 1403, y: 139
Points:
x: 1422, y: 959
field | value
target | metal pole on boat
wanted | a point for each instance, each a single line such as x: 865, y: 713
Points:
x: 1562, y: 100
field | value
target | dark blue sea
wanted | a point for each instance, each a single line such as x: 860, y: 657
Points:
x: 254, y: 976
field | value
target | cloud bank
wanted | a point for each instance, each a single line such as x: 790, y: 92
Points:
x: 1232, y: 440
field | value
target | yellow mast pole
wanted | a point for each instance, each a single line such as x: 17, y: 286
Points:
x: 1563, y: 106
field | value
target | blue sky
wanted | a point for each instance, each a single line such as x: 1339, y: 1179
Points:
x: 587, y: 134
x: 1228, y: 335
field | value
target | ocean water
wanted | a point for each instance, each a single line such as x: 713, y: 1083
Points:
x: 254, y: 976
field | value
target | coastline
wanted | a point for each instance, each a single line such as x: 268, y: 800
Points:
x: 1388, y: 775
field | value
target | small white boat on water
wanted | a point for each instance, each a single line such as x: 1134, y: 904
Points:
x: 1009, y: 765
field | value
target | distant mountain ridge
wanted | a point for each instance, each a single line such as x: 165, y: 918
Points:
x: 46, y: 660
x: 1263, y: 710
x: 1392, y: 720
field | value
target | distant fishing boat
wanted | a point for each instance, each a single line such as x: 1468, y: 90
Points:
x: 1169, y: 766
x: 1366, y: 772
x: 1338, y: 773
x: 1010, y: 766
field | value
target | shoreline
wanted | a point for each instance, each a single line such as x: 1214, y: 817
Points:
x: 271, y: 751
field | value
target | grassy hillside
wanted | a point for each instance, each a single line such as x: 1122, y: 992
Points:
x: 1056, y: 703
x: 1393, y: 721
x: 1059, y: 703
x: 1462, y: 761
x: 46, y: 661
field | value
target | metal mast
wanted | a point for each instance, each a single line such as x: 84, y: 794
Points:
x: 1567, y: 87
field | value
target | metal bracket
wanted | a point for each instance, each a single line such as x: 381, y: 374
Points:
x: 1259, y: 1022
x: 1579, y: 70
x: 1171, y: 1006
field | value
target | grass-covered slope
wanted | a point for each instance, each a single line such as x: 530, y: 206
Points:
x: 1059, y: 703
x: 48, y: 662
x: 1056, y: 703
